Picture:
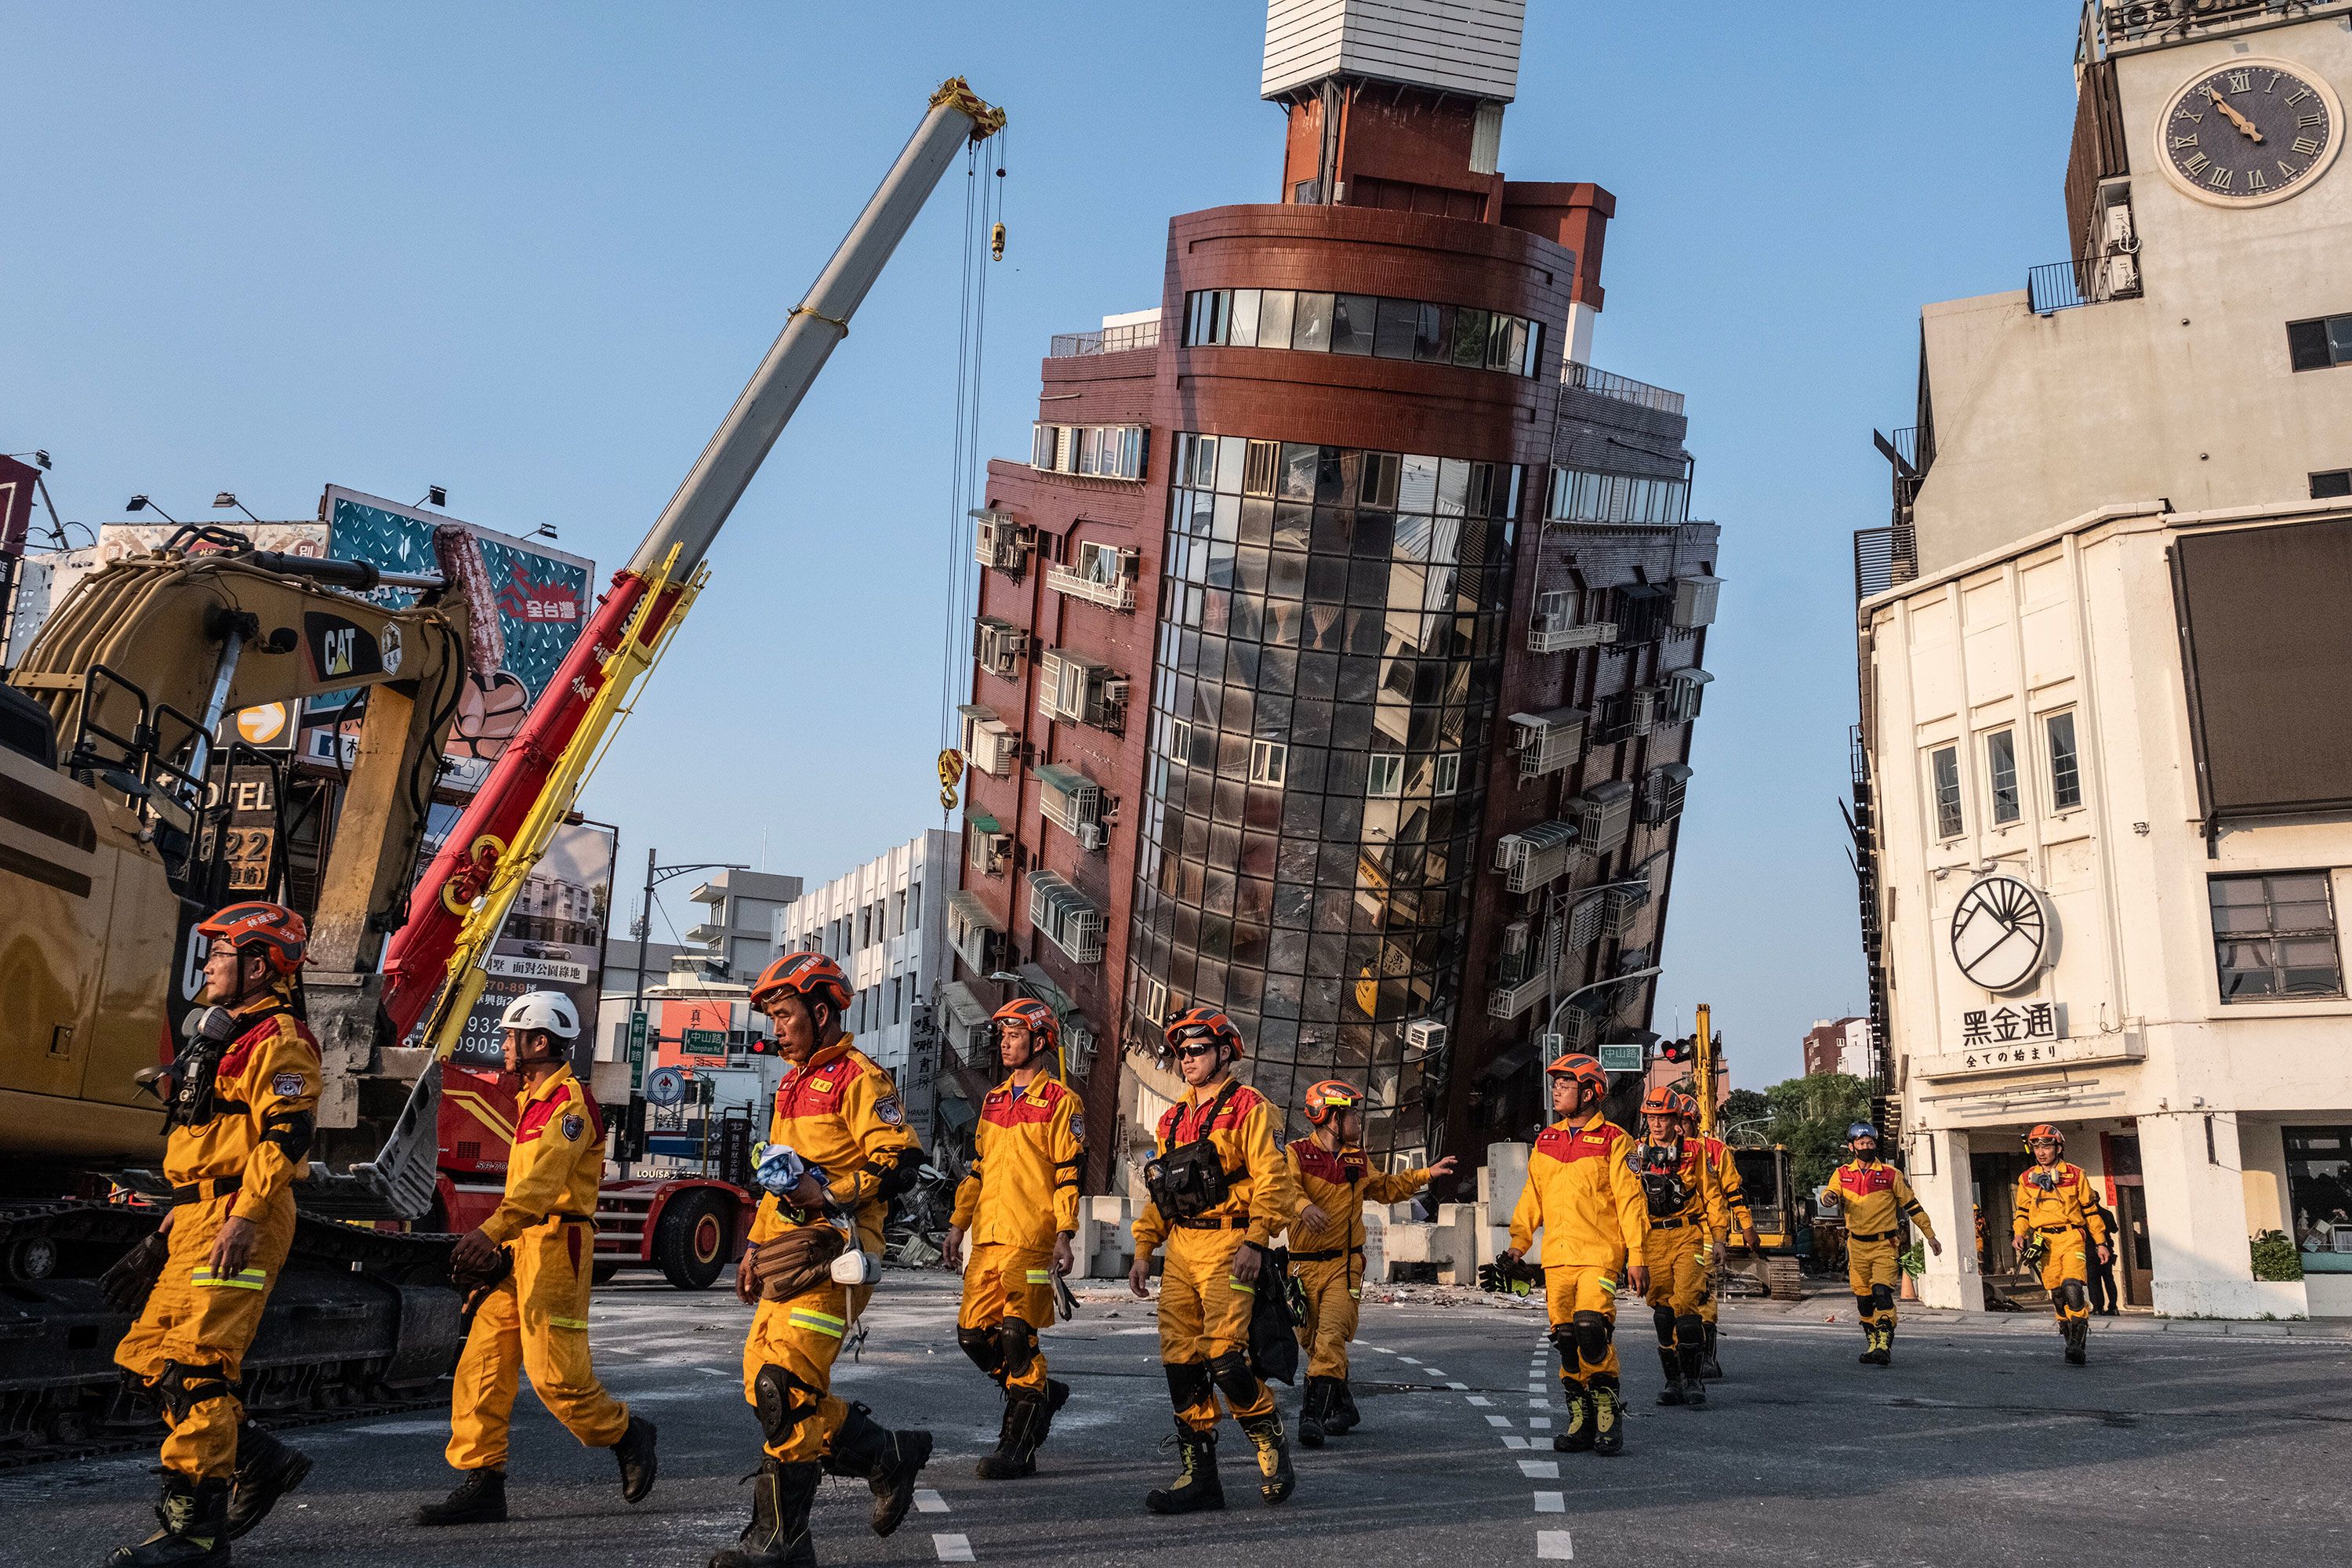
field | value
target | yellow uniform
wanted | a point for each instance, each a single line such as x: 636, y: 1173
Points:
x: 1734, y: 1207
x: 1329, y: 1263
x: 1588, y: 1203
x: 1022, y: 1193
x: 1684, y: 1200
x: 2054, y: 1202
x: 535, y: 1320
x: 840, y: 1112
x: 1204, y: 1317
x: 1876, y: 1199
x: 188, y: 1344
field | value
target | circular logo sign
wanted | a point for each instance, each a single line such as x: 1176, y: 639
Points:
x: 665, y: 1086
x: 265, y: 725
x: 2004, y: 934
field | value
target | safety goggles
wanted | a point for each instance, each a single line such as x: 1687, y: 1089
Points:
x: 1198, y: 1048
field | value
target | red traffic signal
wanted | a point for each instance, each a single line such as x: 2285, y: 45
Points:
x: 1680, y: 1050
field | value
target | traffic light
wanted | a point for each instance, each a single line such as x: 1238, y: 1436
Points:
x: 1680, y: 1050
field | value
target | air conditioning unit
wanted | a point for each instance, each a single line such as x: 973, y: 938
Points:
x: 1694, y: 600
x: 1424, y: 1035
x: 1547, y: 622
x: 1114, y: 691
x: 1648, y: 704
x: 1093, y: 835
x: 1515, y: 939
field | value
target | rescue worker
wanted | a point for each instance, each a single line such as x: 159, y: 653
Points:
x: 2055, y: 1206
x: 842, y: 1114
x: 1220, y: 1190
x: 534, y: 1317
x: 1334, y: 1175
x: 1684, y: 1201
x: 1735, y: 1204
x: 1020, y: 1206
x: 1582, y: 1194
x: 241, y: 1102
x: 1876, y: 1200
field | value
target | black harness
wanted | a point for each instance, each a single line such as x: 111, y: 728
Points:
x: 1190, y: 1179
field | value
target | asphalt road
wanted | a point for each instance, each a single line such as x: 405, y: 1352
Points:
x: 1978, y: 1447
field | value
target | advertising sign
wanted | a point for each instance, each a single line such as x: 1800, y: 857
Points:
x: 61, y: 570
x: 553, y: 939
x: 543, y: 598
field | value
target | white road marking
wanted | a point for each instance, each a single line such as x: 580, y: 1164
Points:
x: 928, y: 1501
x: 1553, y: 1545
x: 1480, y: 1399
x: 954, y: 1548
x: 1498, y: 1421
x: 715, y: 1372
x: 1540, y: 1423
x: 1539, y: 1404
x: 1435, y: 1371
x: 1383, y: 1349
x: 1535, y: 1388
x: 1458, y: 1385
x: 1551, y: 1502
x: 1540, y: 1470
x: 1512, y: 1440
x: 1409, y: 1360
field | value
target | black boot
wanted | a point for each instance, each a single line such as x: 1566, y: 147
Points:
x: 1343, y: 1416
x: 1576, y: 1437
x: 267, y: 1470
x: 1196, y: 1486
x: 1708, y: 1367
x: 1878, y: 1345
x: 480, y: 1498
x: 1690, y: 1339
x: 1312, y: 1411
x: 1026, y: 1416
x: 1608, y: 1423
x: 778, y: 1535
x: 1887, y: 1341
x: 1277, y: 1477
x: 887, y: 1461
x: 1673, y: 1392
x: 638, y: 1463
x: 2078, y: 1337
x: 194, y: 1517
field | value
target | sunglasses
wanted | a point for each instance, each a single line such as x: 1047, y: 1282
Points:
x: 1209, y: 1049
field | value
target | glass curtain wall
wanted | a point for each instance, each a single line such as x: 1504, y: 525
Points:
x: 1328, y: 652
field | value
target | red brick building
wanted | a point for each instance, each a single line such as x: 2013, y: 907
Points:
x: 1336, y: 658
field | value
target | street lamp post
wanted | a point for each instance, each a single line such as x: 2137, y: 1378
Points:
x: 1598, y: 985
x: 654, y: 875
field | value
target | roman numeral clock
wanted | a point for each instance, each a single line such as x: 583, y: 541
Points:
x: 2250, y: 132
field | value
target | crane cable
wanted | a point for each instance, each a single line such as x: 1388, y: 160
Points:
x: 983, y: 241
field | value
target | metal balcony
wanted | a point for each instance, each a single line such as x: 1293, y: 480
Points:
x: 1107, y: 340
x: 1119, y: 594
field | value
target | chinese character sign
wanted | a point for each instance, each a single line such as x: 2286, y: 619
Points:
x: 2018, y: 1034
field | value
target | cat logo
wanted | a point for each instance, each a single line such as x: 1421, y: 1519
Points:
x: 342, y: 649
x: 337, y: 644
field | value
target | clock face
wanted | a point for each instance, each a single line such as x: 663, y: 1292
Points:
x: 2002, y: 934
x: 2250, y: 132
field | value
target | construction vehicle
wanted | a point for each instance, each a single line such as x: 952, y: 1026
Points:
x: 111, y: 847
x: 1780, y: 1212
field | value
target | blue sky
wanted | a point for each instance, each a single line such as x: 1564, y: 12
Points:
x: 531, y: 253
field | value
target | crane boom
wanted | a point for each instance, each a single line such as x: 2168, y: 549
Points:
x: 419, y: 957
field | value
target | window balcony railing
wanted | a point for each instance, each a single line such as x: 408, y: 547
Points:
x: 1580, y: 377
x: 1065, y: 916
x: 973, y: 932
x: 1109, y: 340
x: 1116, y: 594
x: 1883, y: 558
x: 2085, y: 280
x: 1535, y: 856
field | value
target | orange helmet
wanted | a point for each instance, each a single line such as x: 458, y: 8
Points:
x: 1582, y: 1069
x: 276, y: 930
x: 1204, y: 1024
x: 1329, y: 1095
x: 1662, y: 1101
x: 1687, y: 1108
x: 811, y: 977
x: 1042, y: 1026
x: 2041, y: 1131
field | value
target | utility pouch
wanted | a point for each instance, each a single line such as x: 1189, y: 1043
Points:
x: 1663, y: 1187
x: 1191, y: 1179
x: 798, y: 1261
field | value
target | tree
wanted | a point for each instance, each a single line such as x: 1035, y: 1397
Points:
x: 1809, y: 1115
x: 1743, y: 1105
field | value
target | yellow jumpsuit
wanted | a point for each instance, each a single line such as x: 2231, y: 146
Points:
x: 1876, y: 1199
x: 1588, y: 1203
x: 1204, y: 1317
x: 842, y: 1112
x: 188, y: 1344
x: 2055, y: 1202
x: 535, y: 1320
x: 1329, y: 1263
x: 1735, y: 1205
x: 1023, y: 1192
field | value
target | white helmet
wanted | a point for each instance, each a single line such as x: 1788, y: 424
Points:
x: 548, y: 1010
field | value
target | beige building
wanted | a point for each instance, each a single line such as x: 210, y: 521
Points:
x: 2105, y: 786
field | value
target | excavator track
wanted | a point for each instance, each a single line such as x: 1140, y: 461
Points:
x: 362, y: 1323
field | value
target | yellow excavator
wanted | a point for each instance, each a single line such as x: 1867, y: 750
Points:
x: 113, y: 841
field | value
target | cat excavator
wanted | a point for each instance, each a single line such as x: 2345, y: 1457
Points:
x: 113, y: 834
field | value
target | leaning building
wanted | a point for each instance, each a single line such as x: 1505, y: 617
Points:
x: 2104, y: 765
x: 1340, y: 640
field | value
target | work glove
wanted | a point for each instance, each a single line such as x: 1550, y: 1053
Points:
x: 126, y: 1285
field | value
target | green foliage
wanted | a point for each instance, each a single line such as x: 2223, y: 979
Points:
x: 2275, y: 1256
x: 1914, y: 1260
x: 1810, y: 1115
x: 1743, y: 1105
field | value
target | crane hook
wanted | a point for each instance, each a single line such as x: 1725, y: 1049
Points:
x: 996, y: 244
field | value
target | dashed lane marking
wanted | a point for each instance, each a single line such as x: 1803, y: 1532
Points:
x: 1540, y: 1423
x: 1458, y: 1385
x: 1480, y: 1399
x: 1512, y: 1440
x: 1540, y: 1470
x: 1551, y: 1502
x: 928, y: 1501
x: 1433, y: 1372
x: 1539, y: 1404
x: 952, y: 1548
x: 715, y: 1371
x: 1535, y: 1388
x: 1498, y: 1421
x: 1554, y: 1546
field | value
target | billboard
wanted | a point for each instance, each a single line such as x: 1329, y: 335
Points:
x: 56, y: 573
x: 554, y: 938
x: 544, y: 598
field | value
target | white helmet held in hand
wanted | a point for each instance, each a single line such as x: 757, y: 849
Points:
x: 548, y: 1010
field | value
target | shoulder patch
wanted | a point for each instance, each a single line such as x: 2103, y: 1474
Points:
x: 573, y: 1127
x: 888, y: 1110
x: 1078, y: 1125
x: 289, y: 1084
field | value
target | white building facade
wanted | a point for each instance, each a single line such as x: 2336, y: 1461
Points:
x: 886, y: 924
x: 2106, y: 704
